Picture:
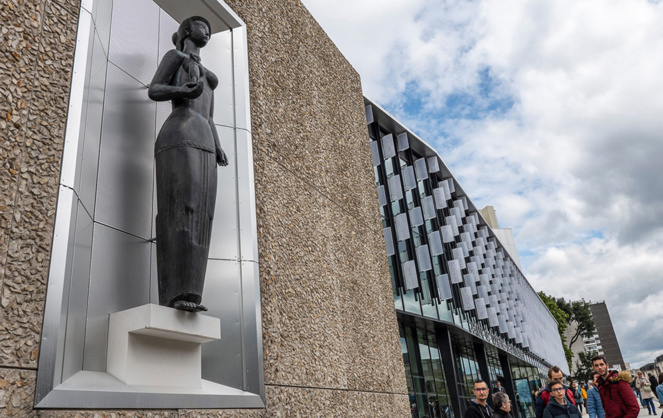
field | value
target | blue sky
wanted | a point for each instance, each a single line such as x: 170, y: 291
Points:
x: 552, y: 112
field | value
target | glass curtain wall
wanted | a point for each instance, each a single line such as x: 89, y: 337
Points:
x: 427, y: 388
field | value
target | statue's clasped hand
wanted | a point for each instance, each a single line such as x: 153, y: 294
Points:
x: 192, y: 89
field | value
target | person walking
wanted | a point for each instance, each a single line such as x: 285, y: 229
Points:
x: 502, y: 405
x: 643, y: 384
x: 617, y: 398
x: 559, y: 405
x: 577, y: 395
x: 583, y: 389
x: 659, y: 391
x: 594, y: 406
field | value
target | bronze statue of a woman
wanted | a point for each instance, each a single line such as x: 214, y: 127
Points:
x: 187, y: 151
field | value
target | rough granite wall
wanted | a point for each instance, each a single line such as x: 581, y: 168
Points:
x: 329, y: 328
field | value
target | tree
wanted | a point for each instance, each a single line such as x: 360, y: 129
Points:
x: 580, y: 313
x: 584, y: 366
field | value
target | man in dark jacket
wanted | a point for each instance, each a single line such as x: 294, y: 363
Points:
x: 559, y: 405
x: 478, y: 407
x: 616, y: 395
x: 555, y: 373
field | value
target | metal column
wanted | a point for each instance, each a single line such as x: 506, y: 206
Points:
x: 449, y: 365
x: 508, y: 384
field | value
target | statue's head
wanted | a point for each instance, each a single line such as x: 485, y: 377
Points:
x: 186, y: 28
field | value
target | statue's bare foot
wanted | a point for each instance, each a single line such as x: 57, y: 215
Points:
x: 183, y: 305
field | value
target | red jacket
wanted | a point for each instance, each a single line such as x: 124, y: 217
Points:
x: 617, y: 396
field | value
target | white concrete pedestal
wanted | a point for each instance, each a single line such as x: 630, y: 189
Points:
x: 157, y: 345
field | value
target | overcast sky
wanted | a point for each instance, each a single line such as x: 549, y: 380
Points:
x: 550, y: 111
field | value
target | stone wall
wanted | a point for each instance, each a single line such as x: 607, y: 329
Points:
x: 330, y: 334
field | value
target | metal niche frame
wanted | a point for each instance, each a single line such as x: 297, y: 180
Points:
x: 103, y: 255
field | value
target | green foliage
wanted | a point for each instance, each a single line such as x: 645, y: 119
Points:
x: 559, y: 314
x: 584, y: 366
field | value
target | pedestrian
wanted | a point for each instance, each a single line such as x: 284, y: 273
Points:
x: 478, y: 407
x: 646, y: 391
x: 617, y: 397
x: 554, y: 373
x: 559, y: 405
x: 577, y: 395
x: 594, y: 406
x: 659, y: 391
x: 652, y: 382
x: 499, y: 387
x: 502, y: 405
x: 583, y: 389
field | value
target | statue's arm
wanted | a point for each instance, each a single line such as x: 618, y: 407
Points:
x: 161, y: 88
x: 221, y: 158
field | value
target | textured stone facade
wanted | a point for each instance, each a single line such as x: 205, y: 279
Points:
x: 330, y: 334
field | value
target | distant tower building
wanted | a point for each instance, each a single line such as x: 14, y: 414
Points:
x: 605, y: 340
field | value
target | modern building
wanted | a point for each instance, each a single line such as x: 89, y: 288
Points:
x: 605, y: 339
x: 465, y: 310
x: 298, y: 275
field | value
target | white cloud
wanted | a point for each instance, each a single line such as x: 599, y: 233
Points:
x: 572, y: 164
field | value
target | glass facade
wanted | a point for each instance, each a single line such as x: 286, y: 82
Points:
x: 459, y: 296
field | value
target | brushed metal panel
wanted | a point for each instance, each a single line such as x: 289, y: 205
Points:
x: 451, y: 221
x: 241, y: 77
x: 225, y: 230
x: 468, y: 281
x: 382, y: 196
x: 78, y: 294
x: 410, y: 274
x: 375, y: 153
x: 492, y: 317
x: 444, y: 287
x: 466, y: 298
x: 254, y: 379
x: 87, y: 185
x: 435, y: 242
x: 222, y: 359
x: 248, y: 225
x: 77, y: 108
x: 167, y: 27
x: 403, y: 142
x: 429, y: 207
x: 402, y: 227
x: 416, y: 217
x: 124, y: 187
x: 420, y: 169
x: 369, y: 114
x: 49, y: 373
x: 86, y: 51
x: 134, y: 40
x: 102, y: 15
x: 482, y: 313
x: 454, y: 271
x: 217, y: 57
x: 447, y: 191
x: 220, y: 16
x: 457, y: 254
x: 389, y: 241
x: 439, y: 198
x: 388, y: 150
x: 433, y: 164
x: 447, y: 233
x: 119, y: 279
x: 409, y: 182
x: 395, y: 188
x: 423, y: 258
